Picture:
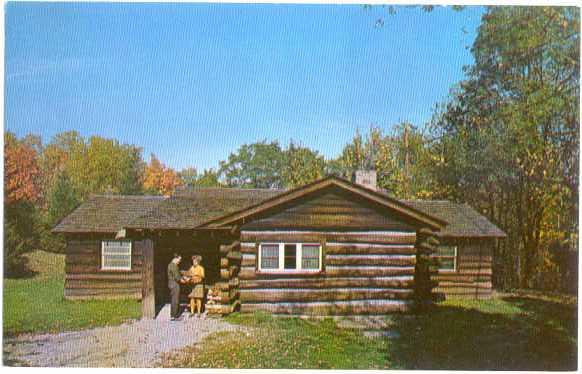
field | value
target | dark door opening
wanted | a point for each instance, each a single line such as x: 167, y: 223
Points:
x: 186, y: 244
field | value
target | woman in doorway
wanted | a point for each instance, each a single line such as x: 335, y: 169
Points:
x: 196, y: 274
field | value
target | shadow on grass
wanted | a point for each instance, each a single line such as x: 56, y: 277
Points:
x: 529, y: 334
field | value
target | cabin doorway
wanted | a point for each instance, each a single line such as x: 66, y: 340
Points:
x: 187, y: 244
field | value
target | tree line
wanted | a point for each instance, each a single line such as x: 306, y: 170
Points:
x: 505, y: 141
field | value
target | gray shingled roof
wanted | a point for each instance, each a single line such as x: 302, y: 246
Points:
x: 463, y: 220
x: 190, y: 208
x: 107, y: 213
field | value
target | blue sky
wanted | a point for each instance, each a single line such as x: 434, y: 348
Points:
x: 192, y: 82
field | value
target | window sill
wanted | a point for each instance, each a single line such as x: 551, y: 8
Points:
x: 115, y: 270
x: 289, y: 272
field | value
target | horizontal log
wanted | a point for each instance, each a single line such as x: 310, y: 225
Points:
x: 444, y: 284
x: 484, y: 271
x: 82, y: 250
x: 78, y: 242
x: 342, y: 248
x: 98, y: 276
x: 82, y: 259
x: 475, y: 251
x: 471, y: 258
x: 274, y: 295
x: 390, y: 282
x: 332, y: 307
x: 95, y: 260
x: 249, y: 249
x: 329, y: 208
x: 307, y: 220
x: 456, y: 277
x: 94, y: 268
x: 248, y: 260
x: 249, y: 272
x: 462, y: 290
x: 95, y: 284
x: 385, y: 260
x: 367, y: 271
x: 468, y: 296
x: 380, y: 237
x: 473, y: 266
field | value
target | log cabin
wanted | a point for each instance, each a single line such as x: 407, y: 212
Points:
x: 331, y: 247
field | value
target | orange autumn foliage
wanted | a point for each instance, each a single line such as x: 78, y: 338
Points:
x: 160, y: 178
x: 21, y: 172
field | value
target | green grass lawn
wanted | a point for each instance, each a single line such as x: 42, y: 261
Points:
x: 36, y: 304
x: 513, y: 332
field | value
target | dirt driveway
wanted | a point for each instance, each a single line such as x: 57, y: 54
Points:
x: 137, y: 344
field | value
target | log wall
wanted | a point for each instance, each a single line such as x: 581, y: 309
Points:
x: 84, y: 278
x: 330, y: 210
x: 363, y: 272
x: 472, y: 278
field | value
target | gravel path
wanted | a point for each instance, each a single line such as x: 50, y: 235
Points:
x: 137, y: 344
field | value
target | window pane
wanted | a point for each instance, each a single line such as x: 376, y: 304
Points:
x: 310, y: 256
x: 290, y: 256
x: 446, y: 250
x: 269, y: 256
x: 116, y: 255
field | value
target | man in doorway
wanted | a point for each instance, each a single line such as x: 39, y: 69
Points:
x: 174, y: 280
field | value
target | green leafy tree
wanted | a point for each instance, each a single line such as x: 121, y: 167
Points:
x: 191, y: 178
x: 509, y: 135
x: 256, y: 165
x: 400, y: 160
x: 301, y: 166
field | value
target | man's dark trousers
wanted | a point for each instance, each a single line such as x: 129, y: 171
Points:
x: 173, y: 279
x: 175, y: 301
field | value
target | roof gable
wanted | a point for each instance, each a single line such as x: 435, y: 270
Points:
x: 411, y: 214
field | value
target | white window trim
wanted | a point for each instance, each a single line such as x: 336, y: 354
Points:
x: 103, y: 267
x: 454, y: 269
x: 298, y: 258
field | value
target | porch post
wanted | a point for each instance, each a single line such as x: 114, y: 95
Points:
x: 148, y: 297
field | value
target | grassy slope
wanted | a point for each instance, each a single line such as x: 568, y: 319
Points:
x: 511, y: 332
x: 36, y: 304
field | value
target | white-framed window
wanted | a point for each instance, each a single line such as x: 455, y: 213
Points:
x: 116, y: 255
x: 446, y: 256
x: 289, y: 257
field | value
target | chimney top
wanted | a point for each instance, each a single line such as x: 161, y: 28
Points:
x: 365, y: 178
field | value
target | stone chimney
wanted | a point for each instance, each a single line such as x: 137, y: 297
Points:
x: 366, y: 178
